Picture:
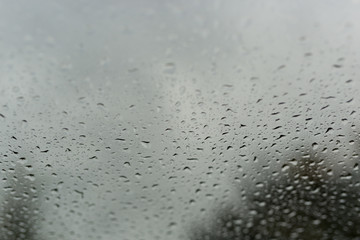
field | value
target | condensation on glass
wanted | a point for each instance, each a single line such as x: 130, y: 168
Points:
x: 184, y: 120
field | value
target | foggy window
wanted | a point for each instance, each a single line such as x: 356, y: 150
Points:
x: 182, y: 120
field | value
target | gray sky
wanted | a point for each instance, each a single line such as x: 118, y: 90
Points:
x: 141, y: 103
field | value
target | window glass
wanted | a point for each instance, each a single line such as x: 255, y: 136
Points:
x: 196, y: 120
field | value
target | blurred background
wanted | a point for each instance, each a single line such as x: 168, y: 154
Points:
x: 179, y: 119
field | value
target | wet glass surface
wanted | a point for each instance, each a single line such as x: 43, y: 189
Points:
x: 217, y: 120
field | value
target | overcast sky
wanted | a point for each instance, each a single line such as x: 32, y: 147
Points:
x: 136, y: 105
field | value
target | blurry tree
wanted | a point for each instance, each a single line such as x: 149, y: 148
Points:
x: 307, y: 200
x: 18, y: 212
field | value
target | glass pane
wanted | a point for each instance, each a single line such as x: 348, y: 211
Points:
x: 217, y: 120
